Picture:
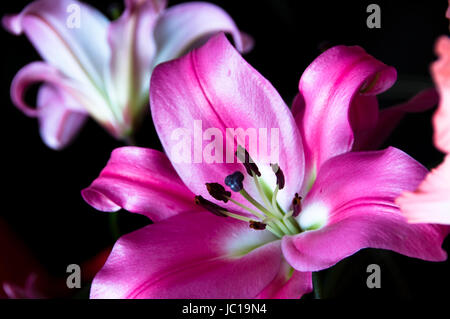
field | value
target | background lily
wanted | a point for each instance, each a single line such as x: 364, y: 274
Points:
x: 101, y: 68
x: 430, y: 203
x: 275, y: 224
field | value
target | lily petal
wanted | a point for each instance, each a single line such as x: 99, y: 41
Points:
x: 190, y: 24
x: 170, y: 260
x: 215, y: 85
x: 141, y: 181
x: 132, y: 52
x: 430, y: 203
x: 327, y: 88
x: 353, y: 199
x: 371, y: 136
x: 441, y: 75
x: 79, y: 51
x: 58, y: 123
x: 447, y: 13
x: 288, y: 284
x: 86, y: 99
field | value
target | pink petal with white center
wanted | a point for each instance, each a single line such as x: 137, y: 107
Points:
x: 132, y: 51
x: 214, y: 85
x: 68, y: 34
x: 430, y: 203
x: 58, y: 123
x: 441, y: 75
x: 195, y: 255
x: 187, y: 25
x: 327, y: 89
x: 141, y: 181
x: 352, y: 207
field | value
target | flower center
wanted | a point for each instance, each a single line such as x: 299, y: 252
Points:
x: 265, y: 216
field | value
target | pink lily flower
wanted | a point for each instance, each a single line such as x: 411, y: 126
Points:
x: 275, y: 224
x: 430, y: 202
x: 98, y: 68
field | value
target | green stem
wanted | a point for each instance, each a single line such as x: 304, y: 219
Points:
x: 114, y: 225
x: 316, y: 285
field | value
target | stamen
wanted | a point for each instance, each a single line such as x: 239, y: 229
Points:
x: 257, y: 225
x: 290, y: 224
x: 275, y: 231
x: 255, y: 203
x: 247, y: 161
x: 210, y: 206
x: 296, y: 205
x: 218, y: 191
x: 234, y: 181
x: 264, y: 197
x: 252, y: 211
x: 279, y: 174
x: 292, y: 228
x: 269, y: 215
x: 218, y: 210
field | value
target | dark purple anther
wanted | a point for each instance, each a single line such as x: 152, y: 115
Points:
x: 296, y: 205
x: 210, y: 206
x: 218, y: 191
x: 257, y: 225
x: 279, y: 174
x: 247, y: 161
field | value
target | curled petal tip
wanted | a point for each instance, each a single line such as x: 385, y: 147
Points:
x: 11, y: 22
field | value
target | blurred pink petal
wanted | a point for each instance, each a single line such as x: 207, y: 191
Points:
x: 109, y: 63
x: 58, y: 123
x: 441, y: 75
x: 132, y: 53
x: 447, y: 13
x: 78, y: 52
x: 187, y: 24
x: 430, y: 202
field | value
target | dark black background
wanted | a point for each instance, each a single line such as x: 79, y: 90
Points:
x: 41, y: 187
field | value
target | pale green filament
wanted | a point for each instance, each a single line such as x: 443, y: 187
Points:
x: 240, y: 217
x: 277, y: 221
x: 252, y: 211
x: 293, y: 228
